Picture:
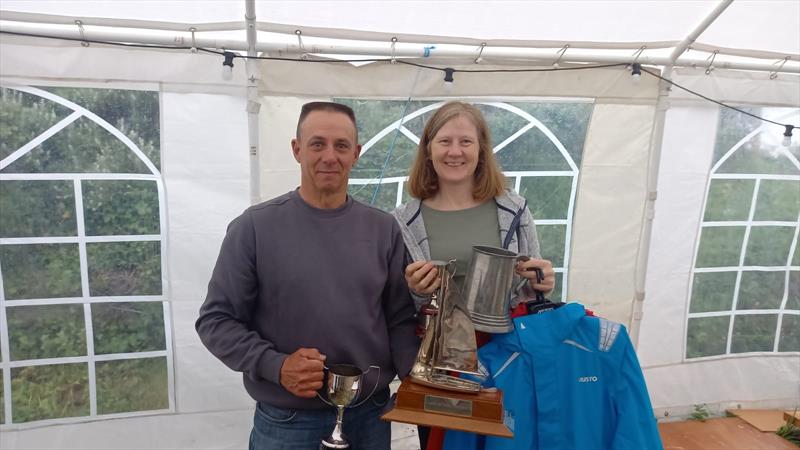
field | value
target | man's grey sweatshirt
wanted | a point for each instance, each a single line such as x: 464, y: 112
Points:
x: 290, y: 275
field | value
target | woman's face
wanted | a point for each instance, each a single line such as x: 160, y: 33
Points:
x: 454, y: 152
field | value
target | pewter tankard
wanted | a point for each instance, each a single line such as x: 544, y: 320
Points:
x: 488, y: 288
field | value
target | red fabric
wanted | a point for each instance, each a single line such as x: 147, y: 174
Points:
x: 435, y: 439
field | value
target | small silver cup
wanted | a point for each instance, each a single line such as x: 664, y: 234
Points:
x: 344, y: 385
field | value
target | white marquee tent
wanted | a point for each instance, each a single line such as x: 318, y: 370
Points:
x: 661, y: 209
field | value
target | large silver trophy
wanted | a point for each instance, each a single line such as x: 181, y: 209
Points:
x: 344, y: 385
x: 448, y: 338
x: 445, y: 383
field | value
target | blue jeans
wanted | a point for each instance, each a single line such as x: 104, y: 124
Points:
x: 289, y: 429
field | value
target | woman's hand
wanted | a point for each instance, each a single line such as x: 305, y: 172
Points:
x: 526, y: 269
x: 421, y: 278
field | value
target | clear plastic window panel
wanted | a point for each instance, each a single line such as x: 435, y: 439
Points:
x: 744, y: 291
x: 81, y: 255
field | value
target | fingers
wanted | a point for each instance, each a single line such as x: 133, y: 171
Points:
x: 526, y: 269
x: 302, y: 372
x: 421, y: 277
x: 311, y: 353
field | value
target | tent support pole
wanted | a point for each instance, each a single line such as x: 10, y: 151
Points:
x: 519, y: 55
x: 253, y: 105
x: 656, y: 140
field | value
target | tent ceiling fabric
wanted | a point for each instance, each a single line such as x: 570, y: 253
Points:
x: 759, y: 26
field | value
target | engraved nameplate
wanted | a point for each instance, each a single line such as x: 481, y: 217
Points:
x: 445, y: 405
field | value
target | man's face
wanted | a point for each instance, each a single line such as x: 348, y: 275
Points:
x: 326, y: 150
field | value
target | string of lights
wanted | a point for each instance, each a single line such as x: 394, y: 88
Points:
x: 449, y: 72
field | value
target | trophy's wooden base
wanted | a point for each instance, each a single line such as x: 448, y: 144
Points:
x: 481, y: 412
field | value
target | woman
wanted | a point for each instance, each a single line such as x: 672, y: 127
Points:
x: 460, y: 200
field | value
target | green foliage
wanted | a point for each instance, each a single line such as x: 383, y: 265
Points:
x: 790, y: 334
x: 700, y: 413
x: 49, y: 331
x: 134, y: 113
x: 753, y: 333
x: 569, y: 122
x: 385, y: 199
x: 712, y: 291
x: 83, y: 146
x: 128, y: 327
x: 37, y: 208
x: 720, y: 246
x: 40, y: 271
x: 769, y: 246
x: 548, y: 197
x: 124, y: 268
x: 531, y: 151
x: 790, y: 432
x: 131, y: 385
x: 121, y: 207
x: 24, y: 116
x: 49, y: 392
x: 111, y: 207
x: 707, y: 336
x: 729, y: 200
x: 778, y: 200
x: 761, y: 290
x: 552, y: 239
x: 761, y: 154
x: 793, y: 302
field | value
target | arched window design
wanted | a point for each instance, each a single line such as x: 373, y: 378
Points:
x: 539, y: 146
x: 745, y: 289
x: 83, y: 309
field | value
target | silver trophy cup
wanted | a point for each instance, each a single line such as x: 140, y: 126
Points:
x: 344, y: 385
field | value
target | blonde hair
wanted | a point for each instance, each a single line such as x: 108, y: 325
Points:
x: 423, y: 182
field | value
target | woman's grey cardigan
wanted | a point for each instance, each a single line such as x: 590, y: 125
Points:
x: 517, y: 233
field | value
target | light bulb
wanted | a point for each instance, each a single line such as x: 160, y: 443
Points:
x: 448, y: 79
x: 636, y: 72
x: 227, y: 65
x: 787, y: 136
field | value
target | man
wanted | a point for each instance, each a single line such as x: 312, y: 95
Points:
x: 310, y: 279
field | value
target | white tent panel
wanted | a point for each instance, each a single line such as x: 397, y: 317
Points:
x: 675, y: 383
x: 277, y: 124
x: 766, y: 25
x: 687, y: 149
x: 736, y: 88
x: 176, y: 70
x: 216, y: 430
x: 746, y: 382
x: 398, y: 81
x: 610, y: 207
x: 207, y: 186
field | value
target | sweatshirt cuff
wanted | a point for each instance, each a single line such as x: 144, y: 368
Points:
x: 269, y: 367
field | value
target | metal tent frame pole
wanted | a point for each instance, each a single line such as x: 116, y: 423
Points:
x: 253, y: 104
x: 375, y: 49
x: 656, y: 141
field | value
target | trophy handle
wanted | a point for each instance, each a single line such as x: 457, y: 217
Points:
x: 374, y: 388
x: 323, y: 387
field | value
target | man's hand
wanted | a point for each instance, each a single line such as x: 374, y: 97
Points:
x: 301, y: 372
x: 525, y: 269
x: 421, y: 277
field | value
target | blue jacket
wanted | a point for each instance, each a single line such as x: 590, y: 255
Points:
x: 569, y: 381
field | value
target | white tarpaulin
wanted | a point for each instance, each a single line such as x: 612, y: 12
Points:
x: 611, y: 137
